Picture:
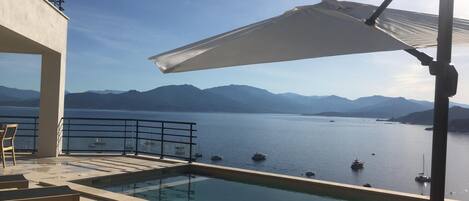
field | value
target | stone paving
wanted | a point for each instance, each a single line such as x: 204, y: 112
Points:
x: 63, y: 169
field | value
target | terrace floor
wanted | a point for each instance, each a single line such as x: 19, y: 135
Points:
x: 58, y: 171
x: 64, y: 169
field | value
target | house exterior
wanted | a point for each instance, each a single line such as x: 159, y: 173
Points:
x: 38, y: 27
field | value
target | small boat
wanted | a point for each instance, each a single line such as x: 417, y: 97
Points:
x: 422, y: 178
x: 367, y: 185
x: 429, y: 129
x: 310, y: 174
x: 259, y: 157
x: 357, y: 165
x: 332, y: 121
x: 98, y: 142
x: 216, y: 158
x: 198, y: 155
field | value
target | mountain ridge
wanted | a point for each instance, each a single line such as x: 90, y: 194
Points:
x: 231, y: 98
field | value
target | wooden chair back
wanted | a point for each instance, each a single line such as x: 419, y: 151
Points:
x: 9, y: 131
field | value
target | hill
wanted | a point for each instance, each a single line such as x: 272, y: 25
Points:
x: 380, y: 107
x: 231, y: 98
x: 458, y: 119
x: 10, y: 94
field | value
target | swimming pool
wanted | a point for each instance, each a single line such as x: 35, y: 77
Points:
x: 206, y: 182
x: 200, y: 188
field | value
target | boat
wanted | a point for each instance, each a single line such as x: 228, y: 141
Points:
x: 98, y: 142
x: 332, y: 121
x: 422, y: 178
x: 216, y: 158
x: 198, y: 155
x: 357, y: 165
x: 259, y: 157
x: 429, y: 129
x: 310, y: 174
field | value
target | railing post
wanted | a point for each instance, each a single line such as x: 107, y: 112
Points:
x: 136, y: 137
x: 190, y: 144
x: 125, y: 138
x: 68, y: 136
x: 34, y: 135
x: 162, y: 141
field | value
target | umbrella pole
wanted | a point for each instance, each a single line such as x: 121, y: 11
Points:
x: 440, y: 120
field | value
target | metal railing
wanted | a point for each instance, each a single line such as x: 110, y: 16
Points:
x: 58, y: 4
x: 26, y: 137
x: 112, y: 135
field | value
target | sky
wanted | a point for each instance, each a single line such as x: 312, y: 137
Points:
x: 109, y: 42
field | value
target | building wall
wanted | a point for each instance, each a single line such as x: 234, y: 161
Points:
x: 37, y: 27
x: 37, y: 20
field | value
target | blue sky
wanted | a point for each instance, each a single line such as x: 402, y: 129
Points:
x: 109, y: 42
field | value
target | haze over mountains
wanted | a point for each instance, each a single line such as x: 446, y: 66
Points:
x: 231, y: 98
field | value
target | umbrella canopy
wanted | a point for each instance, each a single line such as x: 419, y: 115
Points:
x: 326, y: 29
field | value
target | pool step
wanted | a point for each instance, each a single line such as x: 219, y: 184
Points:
x: 165, y: 185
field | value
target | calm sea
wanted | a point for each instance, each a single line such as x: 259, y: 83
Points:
x: 295, y: 144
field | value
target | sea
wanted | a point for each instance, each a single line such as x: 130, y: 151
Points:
x: 294, y: 144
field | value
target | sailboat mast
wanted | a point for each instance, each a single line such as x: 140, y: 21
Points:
x: 423, y: 165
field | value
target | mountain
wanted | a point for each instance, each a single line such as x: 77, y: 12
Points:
x: 10, y: 94
x: 371, y: 100
x: 282, y: 103
x: 106, y: 91
x: 332, y: 104
x: 426, y: 117
x: 167, y: 98
x: 430, y: 104
x: 300, y: 99
x: 380, y: 107
x: 260, y: 99
x: 390, y: 107
x: 231, y: 98
x: 458, y: 119
x: 459, y: 125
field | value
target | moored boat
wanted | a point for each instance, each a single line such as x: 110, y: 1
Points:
x: 357, y: 165
x: 259, y: 157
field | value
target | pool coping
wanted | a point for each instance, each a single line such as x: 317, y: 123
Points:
x: 305, y: 185
x: 273, y: 180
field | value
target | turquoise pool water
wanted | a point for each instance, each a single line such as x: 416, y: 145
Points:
x: 200, y: 188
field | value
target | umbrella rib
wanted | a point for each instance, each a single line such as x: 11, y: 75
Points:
x: 372, y: 20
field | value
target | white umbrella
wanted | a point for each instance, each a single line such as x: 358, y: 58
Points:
x: 325, y: 29
x: 336, y: 28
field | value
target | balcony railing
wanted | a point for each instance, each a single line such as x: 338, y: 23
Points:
x: 26, y: 137
x: 111, y: 135
x: 58, y: 4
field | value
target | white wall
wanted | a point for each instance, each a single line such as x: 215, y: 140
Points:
x: 36, y: 26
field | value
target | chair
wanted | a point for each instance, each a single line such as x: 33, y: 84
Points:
x: 7, y: 139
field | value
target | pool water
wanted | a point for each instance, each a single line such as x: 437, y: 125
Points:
x: 200, y: 188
